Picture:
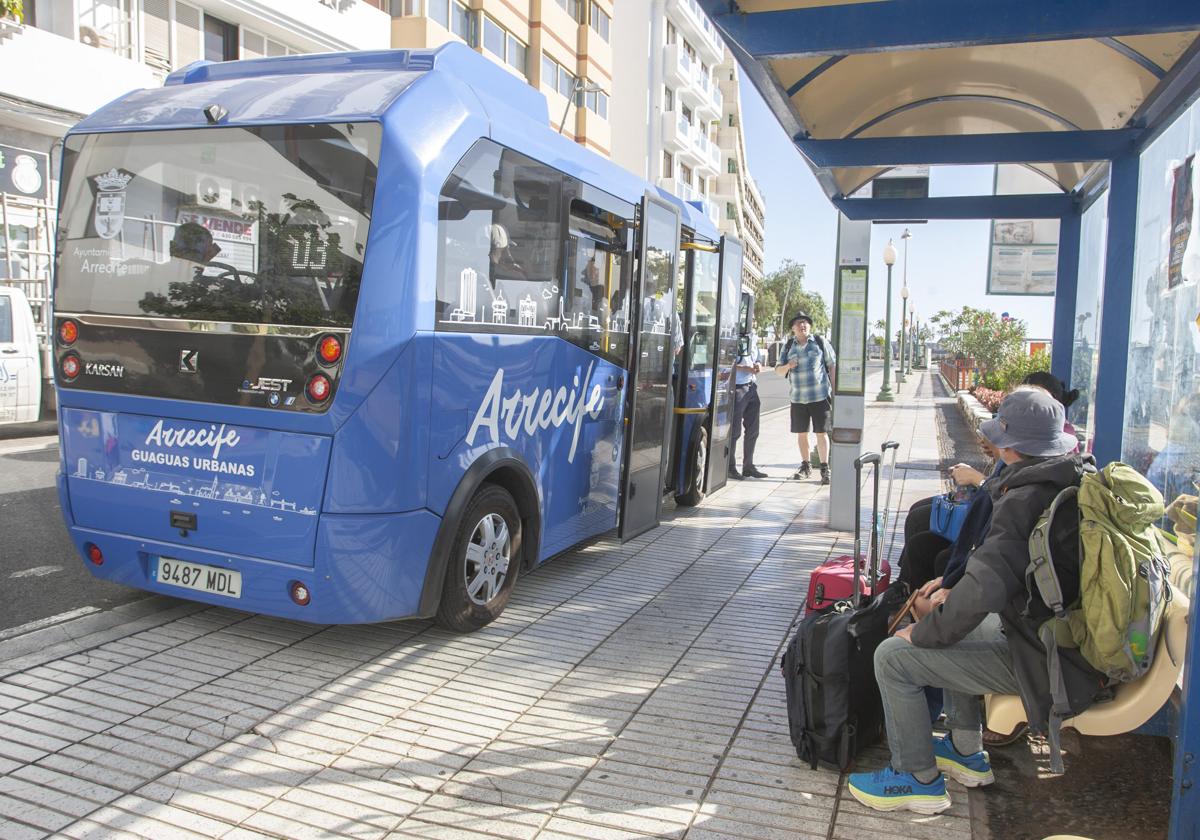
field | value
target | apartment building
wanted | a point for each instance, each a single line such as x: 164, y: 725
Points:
x: 736, y: 193
x: 564, y: 48
x: 676, y: 110
x: 69, y: 57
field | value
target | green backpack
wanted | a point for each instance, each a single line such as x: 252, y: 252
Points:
x: 1111, y: 605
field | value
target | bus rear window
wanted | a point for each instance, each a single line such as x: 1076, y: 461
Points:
x: 260, y: 224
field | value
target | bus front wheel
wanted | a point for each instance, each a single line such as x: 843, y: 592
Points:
x: 697, y: 467
x: 485, y: 558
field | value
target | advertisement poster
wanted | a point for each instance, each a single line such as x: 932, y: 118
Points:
x: 1022, y: 253
x: 237, y: 239
x: 1183, y: 263
x: 852, y: 326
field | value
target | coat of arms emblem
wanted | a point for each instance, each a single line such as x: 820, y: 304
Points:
x: 110, y: 202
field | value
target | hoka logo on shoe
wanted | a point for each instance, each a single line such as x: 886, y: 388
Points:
x: 897, y: 790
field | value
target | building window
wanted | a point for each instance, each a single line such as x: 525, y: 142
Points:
x: 517, y: 54
x: 670, y: 33
x: 600, y: 20
x: 462, y: 23
x: 573, y: 7
x: 493, y: 37
x: 732, y: 122
x: 730, y: 211
x: 668, y: 99
x: 405, y: 8
x: 668, y: 165
x: 687, y: 114
x: 439, y: 11
x: 220, y: 40
x: 732, y: 166
x: 685, y: 174
x: 566, y: 82
x: 597, y: 102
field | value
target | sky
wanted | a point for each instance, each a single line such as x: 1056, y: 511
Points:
x: 947, y: 260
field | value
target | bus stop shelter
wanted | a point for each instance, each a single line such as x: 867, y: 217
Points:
x: 1080, y: 91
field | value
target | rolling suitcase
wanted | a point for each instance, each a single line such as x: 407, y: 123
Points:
x: 833, y: 582
x: 833, y: 704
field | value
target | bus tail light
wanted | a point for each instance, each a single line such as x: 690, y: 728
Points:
x: 94, y: 553
x: 70, y: 366
x: 299, y: 593
x: 68, y: 331
x: 329, y: 351
x: 318, y: 388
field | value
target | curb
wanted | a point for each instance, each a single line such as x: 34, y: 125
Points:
x: 57, y: 641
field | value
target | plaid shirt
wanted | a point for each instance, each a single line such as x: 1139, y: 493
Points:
x: 809, y: 380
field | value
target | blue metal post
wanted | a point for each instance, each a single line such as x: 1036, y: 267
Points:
x: 1065, y: 292
x: 1116, y: 301
x: 1185, y: 798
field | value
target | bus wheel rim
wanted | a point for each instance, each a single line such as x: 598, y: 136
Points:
x: 489, y: 552
x: 701, y: 463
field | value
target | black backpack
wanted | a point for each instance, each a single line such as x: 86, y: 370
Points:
x: 833, y: 703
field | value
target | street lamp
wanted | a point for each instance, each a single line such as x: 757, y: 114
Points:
x: 912, y: 340
x: 579, y: 91
x: 900, y: 377
x: 885, y: 392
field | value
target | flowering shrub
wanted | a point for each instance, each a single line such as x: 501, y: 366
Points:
x: 988, y: 398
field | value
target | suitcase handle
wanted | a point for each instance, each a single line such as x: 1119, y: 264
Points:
x: 860, y: 462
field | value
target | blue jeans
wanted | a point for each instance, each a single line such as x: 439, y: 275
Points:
x: 977, y: 665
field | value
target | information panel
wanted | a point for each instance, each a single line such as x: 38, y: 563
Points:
x: 850, y: 314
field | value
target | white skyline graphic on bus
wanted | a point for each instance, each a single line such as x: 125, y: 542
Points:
x: 215, y: 490
x: 471, y: 310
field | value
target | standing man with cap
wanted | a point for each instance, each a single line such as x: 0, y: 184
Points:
x: 808, y: 362
x: 746, y: 408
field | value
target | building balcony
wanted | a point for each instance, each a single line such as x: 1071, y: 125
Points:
x: 700, y: 32
x: 70, y: 76
x: 677, y: 68
x: 677, y: 132
x: 704, y: 88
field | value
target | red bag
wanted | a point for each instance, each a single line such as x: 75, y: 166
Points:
x: 833, y: 580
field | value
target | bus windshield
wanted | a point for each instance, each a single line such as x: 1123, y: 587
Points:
x: 258, y: 224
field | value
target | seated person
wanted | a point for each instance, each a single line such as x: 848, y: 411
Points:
x: 958, y: 646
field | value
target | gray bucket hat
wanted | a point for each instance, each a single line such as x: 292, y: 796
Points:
x: 1031, y: 422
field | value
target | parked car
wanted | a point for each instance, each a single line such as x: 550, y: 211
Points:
x: 20, y: 360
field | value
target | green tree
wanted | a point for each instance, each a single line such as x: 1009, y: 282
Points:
x: 981, y: 335
x: 785, y: 286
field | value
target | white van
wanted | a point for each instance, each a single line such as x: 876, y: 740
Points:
x: 20, y: 360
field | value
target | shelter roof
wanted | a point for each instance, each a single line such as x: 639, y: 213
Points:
x: 1079, y: 79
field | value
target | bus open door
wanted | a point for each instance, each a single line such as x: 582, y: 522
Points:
x: 648, y: 412
x: 721, y: 416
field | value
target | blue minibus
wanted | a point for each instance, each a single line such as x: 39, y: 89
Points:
x: 358, y: 337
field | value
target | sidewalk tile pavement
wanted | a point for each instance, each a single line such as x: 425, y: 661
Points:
x: 628, y: 691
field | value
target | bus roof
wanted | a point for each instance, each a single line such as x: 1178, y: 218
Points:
x: 356, y: 87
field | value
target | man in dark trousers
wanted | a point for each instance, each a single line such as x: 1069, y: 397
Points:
x: 746, y: 408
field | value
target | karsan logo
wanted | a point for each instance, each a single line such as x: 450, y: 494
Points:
x: 523, y: 414
x: 104, y: 369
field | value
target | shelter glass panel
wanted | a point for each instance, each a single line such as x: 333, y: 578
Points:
x: 1162, y: 396
x: 1085, y: 348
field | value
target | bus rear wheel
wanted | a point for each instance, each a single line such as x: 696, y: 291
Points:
x: 485, y: 559
x: 697, y: 467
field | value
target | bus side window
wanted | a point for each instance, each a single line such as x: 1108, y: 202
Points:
x: 500, y: 244
x: 598, y: 276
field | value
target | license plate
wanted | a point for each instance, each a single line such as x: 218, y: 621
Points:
x: 211, y: 579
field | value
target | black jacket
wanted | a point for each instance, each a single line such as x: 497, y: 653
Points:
x: 994, y: 582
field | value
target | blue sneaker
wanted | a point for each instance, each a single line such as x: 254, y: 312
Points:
x: 889, y: 790
x: 968, y: 770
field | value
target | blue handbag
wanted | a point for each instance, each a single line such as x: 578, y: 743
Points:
x: 947, y: 515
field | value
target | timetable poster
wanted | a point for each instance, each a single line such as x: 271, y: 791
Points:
x: 852, y: 330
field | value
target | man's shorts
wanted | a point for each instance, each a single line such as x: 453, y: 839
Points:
x: 814, y: 413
